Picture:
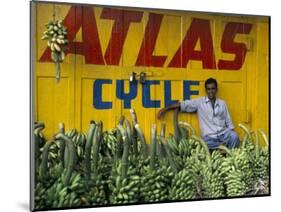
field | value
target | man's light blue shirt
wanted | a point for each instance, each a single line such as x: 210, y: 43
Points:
x: 213, y: 122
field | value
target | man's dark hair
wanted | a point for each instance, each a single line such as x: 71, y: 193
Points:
x: 211, y: 81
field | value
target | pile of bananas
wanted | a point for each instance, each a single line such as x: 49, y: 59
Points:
x: 56, y: 35
x: 115, y: 167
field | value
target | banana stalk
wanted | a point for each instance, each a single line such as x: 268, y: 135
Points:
x: 96, y: 145
x: 72, y: 157
x: 153, y: 147
x: 142, y: 139
x: 176, y: 126
x: 88, y: 149
x: 44, y: 164
x: 169, y: 154
x: 125, y: 155
x: 62, y: 144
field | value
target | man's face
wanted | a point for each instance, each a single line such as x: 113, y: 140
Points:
x: 211, y: 91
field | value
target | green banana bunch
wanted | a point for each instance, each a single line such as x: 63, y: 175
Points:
x: 212, y: 184
x: 79, y: 140
x: 109, y: 143
x: 194, y: 165
x: 71, y: 133
x: 40, y: 195
x: 183, y: 187
x: 235, y: 184
x: 124, y: 190
x: 236, y: 171
x: 56, y: 36
x: 173, y: 147
x: 153, y: 180
x: 59, y: 195
x: 124, y: 181
x: 209, y: 182
x: 156, y: 183
x: 154, y: 186
x: 260, y: 159
x: 97, y: 186
x: 184, y: 148
x: 53, y: 154
x: 94, y: 167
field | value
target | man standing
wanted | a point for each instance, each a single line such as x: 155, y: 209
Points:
x: 214, y: 119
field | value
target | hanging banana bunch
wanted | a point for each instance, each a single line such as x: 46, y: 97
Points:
x: 56, y: 36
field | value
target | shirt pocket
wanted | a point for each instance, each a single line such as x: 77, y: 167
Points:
x: 221, y: 122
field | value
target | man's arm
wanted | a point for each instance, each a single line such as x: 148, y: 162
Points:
x: 186, y: 106
x: 164, y: 110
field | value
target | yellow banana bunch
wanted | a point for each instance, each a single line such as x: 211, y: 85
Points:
x: 56, y: 36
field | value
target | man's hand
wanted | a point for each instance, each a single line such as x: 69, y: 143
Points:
x: 161, y: 113
x: 164, y: 110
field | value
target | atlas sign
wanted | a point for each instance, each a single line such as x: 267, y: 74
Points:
x: 198, y: 31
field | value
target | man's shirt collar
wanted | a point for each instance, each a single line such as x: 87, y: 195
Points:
x: 208, y: 100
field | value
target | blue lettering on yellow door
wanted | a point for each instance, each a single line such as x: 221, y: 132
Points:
x: 97, y: 92
x: 167, y: 92
x: 127, y: 97
x: 147, y: 88
x: 146, y: 97
x: 187, y: 92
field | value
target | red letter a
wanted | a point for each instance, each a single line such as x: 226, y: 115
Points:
x: 199, y: 29
x: 81, y: 16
